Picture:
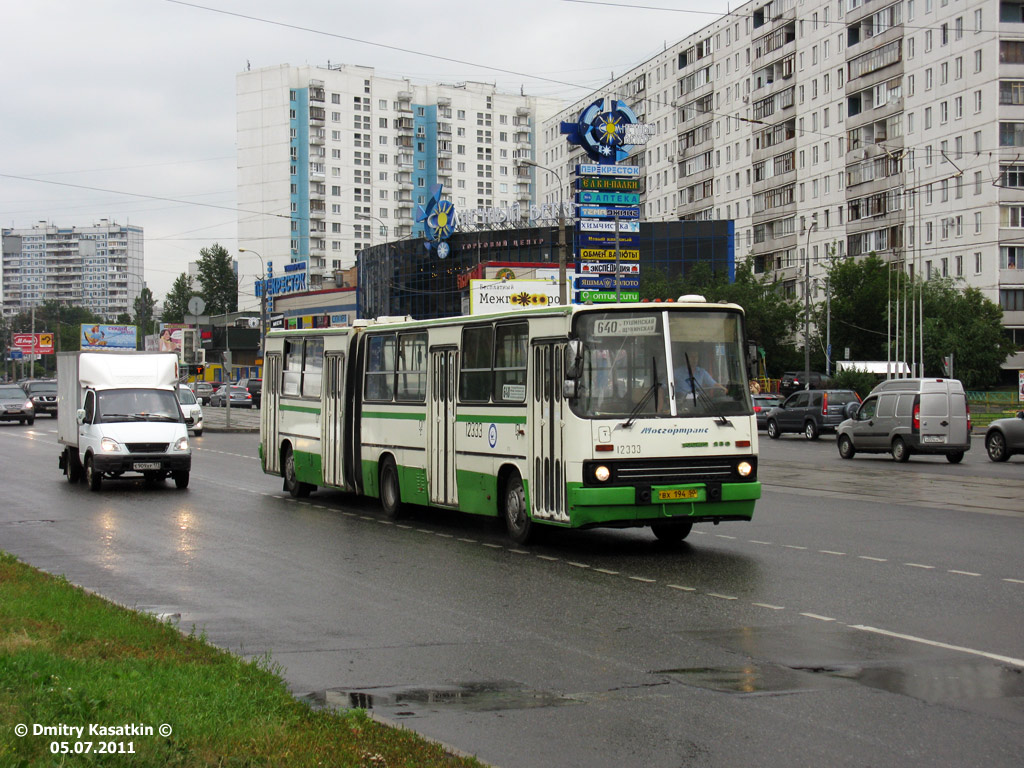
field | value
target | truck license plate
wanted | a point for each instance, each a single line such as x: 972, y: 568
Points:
x: 680, y: 493
x: 140, y: 466
x: 934, y: 438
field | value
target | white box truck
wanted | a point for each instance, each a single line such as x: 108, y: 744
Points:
x: 118, y: 412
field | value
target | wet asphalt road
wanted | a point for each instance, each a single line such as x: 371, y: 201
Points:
x: 871, y: 614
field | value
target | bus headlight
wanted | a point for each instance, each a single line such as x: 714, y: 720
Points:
x: 602, y: 473
x: 744, y: 469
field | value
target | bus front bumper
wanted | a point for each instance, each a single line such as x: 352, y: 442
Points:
x: 629, y: 505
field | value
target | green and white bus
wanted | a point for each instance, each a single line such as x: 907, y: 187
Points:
x: 614, y: 415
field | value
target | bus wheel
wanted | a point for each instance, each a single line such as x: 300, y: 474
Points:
x: 292, y: 484
x: 390, y: 490
x: 671, y: 533
x: 517, y: 519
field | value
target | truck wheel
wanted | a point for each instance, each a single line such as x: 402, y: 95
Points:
x: 181, y: 479
x: 72, y: 466
x: 92, y: 477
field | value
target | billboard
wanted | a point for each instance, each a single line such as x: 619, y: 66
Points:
x: 486, y: 296
x: 33, y: 343
x: 119, y: 338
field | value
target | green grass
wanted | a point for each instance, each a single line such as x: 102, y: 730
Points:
x: 69, y: 657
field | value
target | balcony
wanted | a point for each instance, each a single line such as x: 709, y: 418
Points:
x: 523, y: 111
x: 444, y: 101
x: 404, y: 124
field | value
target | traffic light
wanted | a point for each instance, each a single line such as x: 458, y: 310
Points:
x: 195, y: 370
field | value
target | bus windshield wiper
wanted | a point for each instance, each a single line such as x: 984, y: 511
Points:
x: 706, y: 401
x: 646, y: 398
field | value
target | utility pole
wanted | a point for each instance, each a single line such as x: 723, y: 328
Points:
x: 807, y: 302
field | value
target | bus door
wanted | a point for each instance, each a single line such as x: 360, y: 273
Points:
x: 444, y: 366
x: 547, y: 481
x: 332, y: 420
x: 270, y: 412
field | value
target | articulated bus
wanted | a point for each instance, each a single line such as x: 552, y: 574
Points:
x: 615, y: 415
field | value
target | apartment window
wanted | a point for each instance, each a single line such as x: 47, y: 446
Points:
x: 1011, y: 300
x: 977, y: 60
x: 977, y: 102
x: 1011, y: 134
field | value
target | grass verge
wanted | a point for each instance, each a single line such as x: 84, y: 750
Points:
x: 72, y: 659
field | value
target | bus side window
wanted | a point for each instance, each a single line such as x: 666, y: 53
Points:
x: 475, y: 376
x: 312, y: 370
x: 412, y: 367
x: 380, y: 368
x: 291, y: 377
x: 510, y: 350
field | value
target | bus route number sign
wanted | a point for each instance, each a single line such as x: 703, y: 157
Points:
x: 627, y: 326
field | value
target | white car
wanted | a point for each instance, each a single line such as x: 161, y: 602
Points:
x: 191, y: 409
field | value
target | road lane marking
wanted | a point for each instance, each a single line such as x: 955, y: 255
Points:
x: 641, y: 578
x: 1014, y: 581
x: 918, y: 565
x: 721, y: 597
x: 682, y: 588
x: 873, y: 559
x: 830, y: 552
x: 937, y: 644
x: 772, y: 607
x: 964, y: 573
x: 793, y: 546
x: 816, y: 616
x: 605, y: 570
x: 576, y: 565
x: 755, y: 541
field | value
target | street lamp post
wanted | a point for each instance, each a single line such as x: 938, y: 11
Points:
x: 562, y: 288
x: 807, y: 302
x: 263, y: 301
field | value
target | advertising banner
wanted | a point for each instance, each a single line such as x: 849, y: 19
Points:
x: 606, y: 240
x: 120, y: 338
x: 606, y: 283
x: 607, y: 198
x: 607, y: 267
x: 172, y: 338
x: 608, y: 226
x: 34, y: 343
x: 606, y: 183
x: 625, y: 254
x: 606, y: 297
x: 609, y: 212
x: 486, y: 296
x: 593, y: 169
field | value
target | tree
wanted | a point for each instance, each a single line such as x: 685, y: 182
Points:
x: 860, y: 292
x: 218, y: 284
x: 176, y: 301
x: 143, y: 308
x: 964, y: 323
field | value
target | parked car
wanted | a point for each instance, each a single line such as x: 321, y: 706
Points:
x: 811, y: 412
x: 240, y: 397
x: 1003, y: 438
x: 255, y: 387
x: 15, y: 405
x: 792, y: 381
x: 907, y: 416
x: 763, y: 404
x: 191, y: 410
x: 203, y: 390
x: 43, y: 394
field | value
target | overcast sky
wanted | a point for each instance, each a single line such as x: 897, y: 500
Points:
x: 125, y: 109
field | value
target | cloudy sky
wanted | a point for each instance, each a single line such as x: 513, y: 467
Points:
x: 125, y: 109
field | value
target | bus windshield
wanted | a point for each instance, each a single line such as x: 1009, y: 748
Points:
x: 661, y: 363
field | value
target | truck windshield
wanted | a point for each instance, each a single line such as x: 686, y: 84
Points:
x: 679, y: 362
x: 137, y: 405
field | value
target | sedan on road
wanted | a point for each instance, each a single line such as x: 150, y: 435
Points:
x: 1005, y: 437
x: 191, y: 410
x: 15, y: 405
x: 240, y: 397
x: 763, y: 404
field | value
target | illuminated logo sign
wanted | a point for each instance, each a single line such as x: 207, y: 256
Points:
x: 630, y: 254
x: 603, y: 135
x: 439, y: 221
x: 608, y: 198
x: 623, y: 185
x: 596, y: 211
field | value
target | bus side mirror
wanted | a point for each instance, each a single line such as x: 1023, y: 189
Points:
x: 573, y: 359
x: 570, y: 389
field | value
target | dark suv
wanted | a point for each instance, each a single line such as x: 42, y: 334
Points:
x: 43, y: 394
x: 811, y: 412
x: 255, y: 387
x: 792, y: 381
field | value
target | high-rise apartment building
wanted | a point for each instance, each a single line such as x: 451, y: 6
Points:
x: 97, y: 267
x: 334, y: 159
x: 846, y: 127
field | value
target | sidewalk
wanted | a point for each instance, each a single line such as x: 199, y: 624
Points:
x: 242, y: 419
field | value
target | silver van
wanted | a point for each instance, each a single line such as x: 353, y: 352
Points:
x: 905, y: 416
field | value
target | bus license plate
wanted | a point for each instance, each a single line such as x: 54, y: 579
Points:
x: 140, y: 466
x: 677, y: 494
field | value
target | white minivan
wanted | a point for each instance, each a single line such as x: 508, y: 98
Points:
x: 906, y: 416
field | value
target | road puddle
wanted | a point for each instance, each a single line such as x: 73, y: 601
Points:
x: 410, y: 701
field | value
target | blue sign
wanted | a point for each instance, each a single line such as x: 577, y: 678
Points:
x: 606, y: 240
x: 590, y: 197
x: 16, y: 354
x: 605, y: 282
x: 294, y: 283
x: 609, y: 212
